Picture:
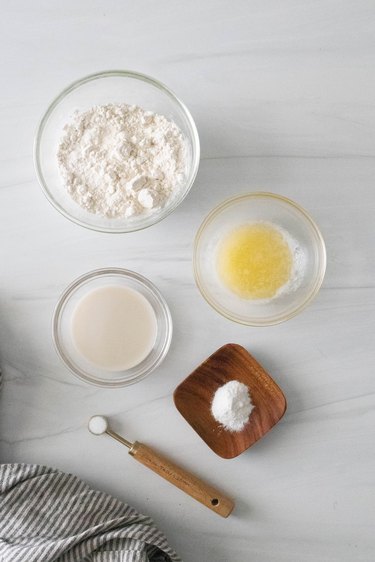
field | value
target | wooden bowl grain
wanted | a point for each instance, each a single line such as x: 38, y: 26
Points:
x: 193, y: 398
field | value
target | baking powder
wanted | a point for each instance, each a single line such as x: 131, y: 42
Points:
x: 231, y: 405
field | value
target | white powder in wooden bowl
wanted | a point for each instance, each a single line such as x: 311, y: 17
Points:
x: 231, y: 405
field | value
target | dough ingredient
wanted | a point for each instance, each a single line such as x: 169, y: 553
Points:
x: 231, y: 405
x: 119, y: 160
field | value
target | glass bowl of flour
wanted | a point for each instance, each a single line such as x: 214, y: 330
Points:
x: 259, y: 259
x: 116, y: 152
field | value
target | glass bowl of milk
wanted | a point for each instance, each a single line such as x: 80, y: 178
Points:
x: 112, y: 327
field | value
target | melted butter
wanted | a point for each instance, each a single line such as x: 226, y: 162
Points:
x: 254, y: 261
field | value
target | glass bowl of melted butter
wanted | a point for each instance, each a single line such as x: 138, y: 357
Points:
x: 259, y: 259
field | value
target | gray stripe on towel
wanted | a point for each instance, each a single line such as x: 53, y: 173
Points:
x: 49, y: 516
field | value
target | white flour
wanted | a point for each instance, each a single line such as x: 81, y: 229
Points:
x: 120, y: 160
x: 231, y: 405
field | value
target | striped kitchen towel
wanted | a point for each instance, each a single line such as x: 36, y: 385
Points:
x: 47, y: 515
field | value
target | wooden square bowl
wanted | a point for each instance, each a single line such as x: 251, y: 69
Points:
x: 193, y: 398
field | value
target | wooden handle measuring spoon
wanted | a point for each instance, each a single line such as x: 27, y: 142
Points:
x: 185, y: 481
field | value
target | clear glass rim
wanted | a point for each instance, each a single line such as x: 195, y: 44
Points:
x: 65, y: 297
x: 122, y: 74
x: 281, y: 317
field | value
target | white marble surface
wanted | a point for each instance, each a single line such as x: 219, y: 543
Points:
x: 283, y: 96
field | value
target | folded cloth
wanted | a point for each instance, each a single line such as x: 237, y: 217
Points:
x: 47, y: 515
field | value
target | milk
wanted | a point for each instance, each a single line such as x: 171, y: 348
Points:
x: 114, y: 328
